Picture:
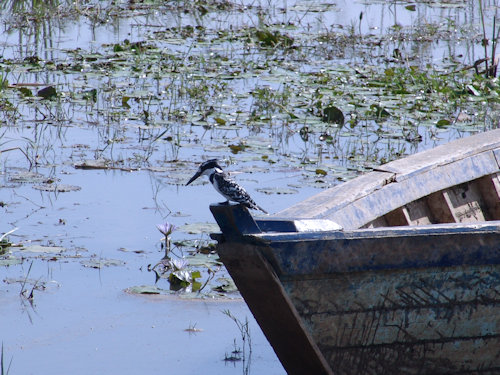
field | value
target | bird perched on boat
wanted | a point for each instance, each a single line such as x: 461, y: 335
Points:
x: 225, y: 185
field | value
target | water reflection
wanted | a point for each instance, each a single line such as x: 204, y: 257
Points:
x: 230, y: 89
x: 154, y: 87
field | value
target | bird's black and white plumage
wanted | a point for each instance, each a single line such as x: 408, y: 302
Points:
x: 226, y: 186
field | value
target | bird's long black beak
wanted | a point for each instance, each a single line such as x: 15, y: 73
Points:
x: 196, y: 175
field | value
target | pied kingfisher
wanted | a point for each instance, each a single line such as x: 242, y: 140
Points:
x: 226, y: 186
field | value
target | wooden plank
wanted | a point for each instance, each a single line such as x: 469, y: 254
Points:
x: 417, y: 303
x: 233, y: 219
x: 465, y: 203
x: 413, y: 213
x: 497, y: 155
x: 363, y: 210
x: 408, y: 289
x: 453, y: 322
x: 419, y: 316
x: 334, y: 199
x: 357, y: 203
x: 418, y: 213
x: 377, y: 223
x: 489, y: 186
x: 439, y: 207
x: 396, y: 218
x: 296, y: 254
x: 271, y: 307
x: 478, y: 356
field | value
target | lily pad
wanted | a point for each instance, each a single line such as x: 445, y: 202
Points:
x: 59, y: 188
x: 237, y: 148
x: 47, y: 92
x: 43, y: 249
x: 100, y: 263
x: 181, y: 177
x: 443, y: 123
x: 10, y: 261
x: 227, y: 285
x: 144, y: 289
x: 184, y: 278
x: 93, y: 164
x: 200, y: 245
x: 220, y: 121
x: 26, y: 177
x: 204, y: 260
x: 136, y: 251
x: 198, y: 228
x: 40, y: 285
x: 379, y: 111
x: 277, y: 190
x: 25, y: 91
x: 333, y: 115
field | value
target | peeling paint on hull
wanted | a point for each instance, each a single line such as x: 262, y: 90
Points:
x: 409, y: 283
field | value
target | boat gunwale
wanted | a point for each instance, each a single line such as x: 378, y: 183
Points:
x: 297, y: 254
x: 492, y: 226
x: 357, y: 202
x: 271, y: 255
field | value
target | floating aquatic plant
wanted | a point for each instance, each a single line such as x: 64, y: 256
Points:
x: 4, y: 241
x: 181, y: 276
x: 177, y: 271
x: 166, y: 229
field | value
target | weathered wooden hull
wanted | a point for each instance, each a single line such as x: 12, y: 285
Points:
x: 457, y: 182
x: 422, y: 300
x: 423, y: 321
x: 376, y: 298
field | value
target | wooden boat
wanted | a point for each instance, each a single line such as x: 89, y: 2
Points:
x: 396, y: 271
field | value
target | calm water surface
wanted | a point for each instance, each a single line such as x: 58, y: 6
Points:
x: 84, y: 321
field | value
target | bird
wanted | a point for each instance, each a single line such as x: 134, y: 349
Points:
x: 225, y: 185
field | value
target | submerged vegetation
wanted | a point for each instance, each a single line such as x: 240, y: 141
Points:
x: 158, y: 85
x: 4, y: 368
x: 242, y: 352
x: 297, y: 96
x: 258, y: 85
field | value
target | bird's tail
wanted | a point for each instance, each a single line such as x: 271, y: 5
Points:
x: 260, y: 208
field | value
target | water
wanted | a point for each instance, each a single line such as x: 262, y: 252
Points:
x: 85, y: 322
x: 188, y: 96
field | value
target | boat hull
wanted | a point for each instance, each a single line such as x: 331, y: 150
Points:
x: 396, y: 271
x: 420, y: 321
x: 405, y: 300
